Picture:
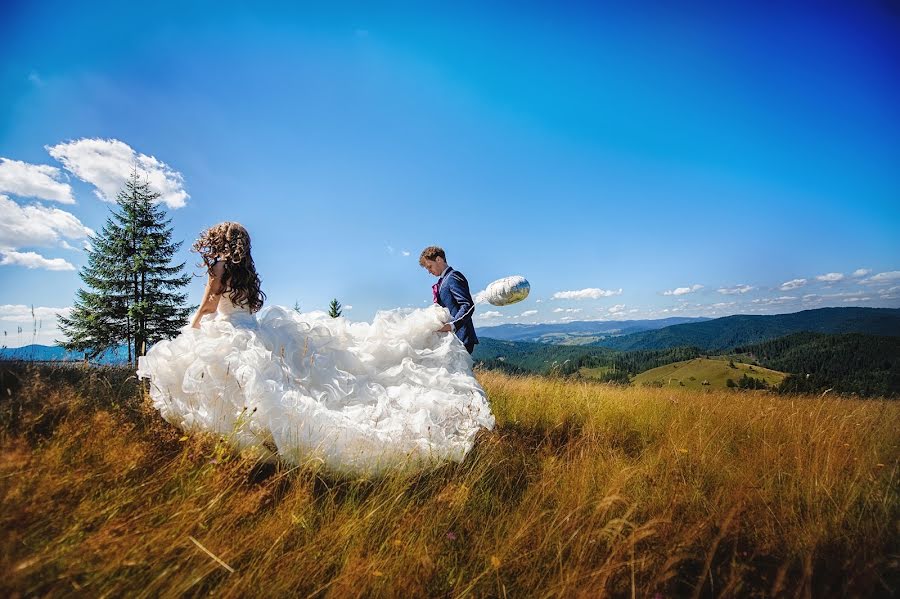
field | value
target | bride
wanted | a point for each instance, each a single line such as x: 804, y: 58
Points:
x: 362, y: 397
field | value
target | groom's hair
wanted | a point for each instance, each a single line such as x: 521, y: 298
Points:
x: 431, y: 253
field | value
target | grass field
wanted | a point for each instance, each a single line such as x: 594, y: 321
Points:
x: 582, y: 490
x: 716, y: 371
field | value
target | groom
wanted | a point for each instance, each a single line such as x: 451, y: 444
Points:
x: 452, y: 292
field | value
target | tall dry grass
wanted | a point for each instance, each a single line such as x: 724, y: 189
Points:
x: 583, y: 490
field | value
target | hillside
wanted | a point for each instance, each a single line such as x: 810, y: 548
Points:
x: 714, y: 371
x: 576, y: 332
x: 730, y: 331
x: 582, y: 490
x: 865, y: 364
x: 535, y: 358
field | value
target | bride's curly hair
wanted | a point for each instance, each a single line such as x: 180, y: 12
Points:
x: 230, y: 243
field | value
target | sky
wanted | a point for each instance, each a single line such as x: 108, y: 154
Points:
x: 630, y: 163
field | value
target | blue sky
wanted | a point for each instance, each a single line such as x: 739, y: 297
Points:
x: 636, y: 163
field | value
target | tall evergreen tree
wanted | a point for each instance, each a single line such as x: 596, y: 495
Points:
x: 334, y: 308
x: 131, y: 292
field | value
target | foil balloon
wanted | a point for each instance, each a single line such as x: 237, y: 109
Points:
x: 505, y: 291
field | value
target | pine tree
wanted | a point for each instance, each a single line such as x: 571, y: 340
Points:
x: 334, y: 308
x: 131, y: 292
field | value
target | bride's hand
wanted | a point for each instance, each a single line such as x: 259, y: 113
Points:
x: 444, y: 329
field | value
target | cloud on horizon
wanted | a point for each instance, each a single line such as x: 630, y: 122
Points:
x: 589, y: 293
x: 738, y: 289
x: 792, y: 284
x: 683, y: 290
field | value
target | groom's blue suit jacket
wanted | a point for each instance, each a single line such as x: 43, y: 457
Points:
x: 454, y: 295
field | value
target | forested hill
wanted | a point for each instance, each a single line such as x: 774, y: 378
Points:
x: 523, y: 356
x: 864, y: 364
x: 725, y: 333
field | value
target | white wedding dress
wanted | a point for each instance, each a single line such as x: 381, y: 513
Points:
x: 362, y: 397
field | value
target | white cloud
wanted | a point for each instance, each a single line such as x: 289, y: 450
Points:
x: 617, y: 309
x: 107, y: 163
x: 405, y: 252
x: 722, y: 305
x: 38, y: 327
x: 346, y: 307
x: 792, y: 284
x: 33, y: 260
x: 488, y: 315
x: 589, y: 293
x: 831, y: 277
x: 37, y: 225
x: 883, y: 278
x: 34, y: 181
x: 856, y: 299
x: 770, y: 301
x: 683, y: 290
x: 22, y: 313
x: 569, y: 310
x: 737, y: 289
x: 861, y: 272
x: 528, y: 313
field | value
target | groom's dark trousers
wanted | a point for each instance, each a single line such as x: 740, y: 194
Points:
x: 453, y: 294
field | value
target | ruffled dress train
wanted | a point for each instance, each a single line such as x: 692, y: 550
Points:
x: 361, y: 397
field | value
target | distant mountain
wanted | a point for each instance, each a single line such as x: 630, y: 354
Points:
x: 578, y: 332
x: 731, y: 331
x: 55, y: 353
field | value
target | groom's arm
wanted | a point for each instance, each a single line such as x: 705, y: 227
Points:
x: 465, y: 305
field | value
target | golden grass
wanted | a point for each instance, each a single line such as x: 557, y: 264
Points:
x: 583, y: 490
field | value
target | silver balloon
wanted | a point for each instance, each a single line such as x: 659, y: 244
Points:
x: 505, y: 291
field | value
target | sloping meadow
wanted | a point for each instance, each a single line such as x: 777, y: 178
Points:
x: 583, y: 489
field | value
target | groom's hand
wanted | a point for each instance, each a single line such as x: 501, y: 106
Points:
x: 444, y: 329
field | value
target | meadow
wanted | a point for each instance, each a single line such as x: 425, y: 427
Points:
x: 712, y: 372
x: 582, y: 490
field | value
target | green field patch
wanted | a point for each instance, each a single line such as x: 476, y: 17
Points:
x: 706, y: 372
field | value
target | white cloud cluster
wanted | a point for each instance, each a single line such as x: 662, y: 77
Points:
x: 107, y: 163
x: 617, y: 309
x: 683, y: 290
x: 589, y: 293
x: 33, y: 260
x: 38, y: 324
x: 739, y: 289
x: 488, y: 315
x: 792, y: 284
x: 104, y: 163
x: 883, y: 278
x: 860, y: 272
x: 772, y: 301
x: 831, y: 277
x: 36, y: 225
x: 528, y: 313
x: 569, y: 310
x: 34, y: 181
x: 23, y: 313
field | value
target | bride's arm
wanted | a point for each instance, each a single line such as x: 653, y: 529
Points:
x: 211, y: 295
